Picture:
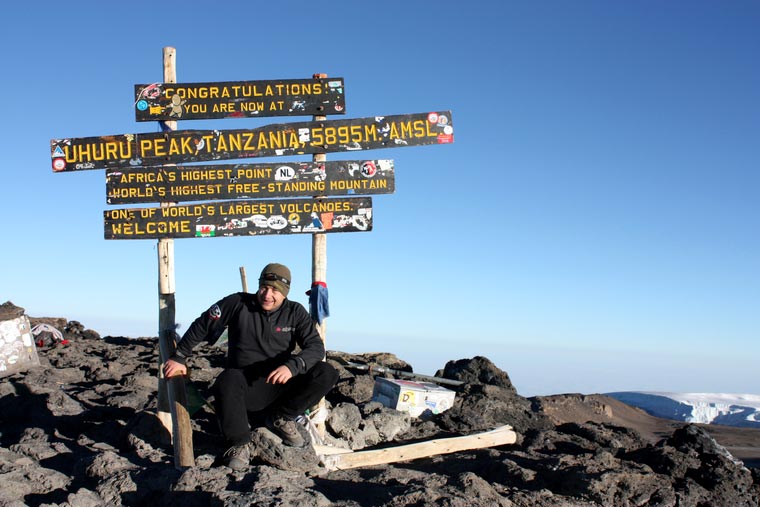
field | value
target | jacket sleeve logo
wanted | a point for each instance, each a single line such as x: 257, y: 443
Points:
x: 215, y: 312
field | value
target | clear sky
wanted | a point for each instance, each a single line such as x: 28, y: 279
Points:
x: 594, y: 227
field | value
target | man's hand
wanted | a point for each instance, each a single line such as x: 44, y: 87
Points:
x: 280, y: 375
x: 173, y: 368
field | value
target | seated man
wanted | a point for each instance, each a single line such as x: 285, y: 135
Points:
x: 262, y: 371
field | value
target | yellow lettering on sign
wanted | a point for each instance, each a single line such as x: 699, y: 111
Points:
x: 145, y: 145
x: 188, y: 146
x: 221, y: 144
x: 370, y: 132
x: 132, y: 192
x: 299, y: 88
x: 358, y: 184
x: 294, y: 141
x: 246, y: 209
x: 159, y: 147
x: 253, y: 173
x: 356, y: 133
x: 187, y: 190
x: 120, y: 214
x: 175, y: 146
x: 205, y: 174
x: 251, y: 106
x: 121, y: 229
x: 277, y: 139
x: 243, y: 188
x: 305, y: 186
x: 344, y: 134
x: 235, y: 142
x: 343, y: 137
x: 142, y: 177
x: 248, y: 141
x: 246, y: 91
x: 419, y: 128
x: 406, y: 130
x: 206, y: 143
x: 410, y: 129
x: 155, y: 147
x: 315, y: 207
x: 181, y: 211
x: 145, y: 177
x: 182, y: 226
x: 197, y: 92
x: 89, y: 152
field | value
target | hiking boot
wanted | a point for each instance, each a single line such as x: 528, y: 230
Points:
x: 237, y: 457
x: 286, y: 429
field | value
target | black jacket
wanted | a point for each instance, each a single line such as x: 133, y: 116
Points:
x: 257, y: 340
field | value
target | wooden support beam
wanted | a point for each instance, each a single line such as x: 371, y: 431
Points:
x: 319, y: 267
x: 344, y: 459
x: 171, y: 391
x: 243, y: 279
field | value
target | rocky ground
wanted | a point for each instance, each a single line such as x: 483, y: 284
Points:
x: 81, y: 430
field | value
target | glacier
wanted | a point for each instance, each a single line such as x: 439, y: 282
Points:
x: 741, y: 410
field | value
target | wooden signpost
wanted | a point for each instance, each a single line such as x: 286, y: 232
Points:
x: 241, y: 218
x: 301, y: 138
x: 142, y: 168
x: 172, y: 395
x: 240, y: 99
x: 249, y: 181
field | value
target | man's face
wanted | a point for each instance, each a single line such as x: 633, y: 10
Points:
x: 269, y: 298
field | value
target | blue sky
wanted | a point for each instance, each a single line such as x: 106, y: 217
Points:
x: 593, y: 228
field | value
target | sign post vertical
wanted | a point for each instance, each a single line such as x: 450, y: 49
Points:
x: 171, y: 390
x: 319, y: 264
x: 243, y: 279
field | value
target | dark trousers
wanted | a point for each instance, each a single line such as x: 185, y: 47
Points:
x: 239, y: 391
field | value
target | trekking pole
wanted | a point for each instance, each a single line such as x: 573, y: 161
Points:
x: 401, y: 373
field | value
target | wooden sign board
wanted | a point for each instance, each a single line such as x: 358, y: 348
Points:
x: 158, y: 148
x: 241, y: 218
x: 249, y: 181
x: 239, y: 99
x: 336, y: 458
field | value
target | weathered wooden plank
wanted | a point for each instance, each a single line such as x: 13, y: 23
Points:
x: 239, y: 99
x: 339, y: 459
x: 249, y: 181
x: 241, y: 218
x: 185, y: 146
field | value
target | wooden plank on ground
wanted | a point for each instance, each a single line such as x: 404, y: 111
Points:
x: 341, y: 460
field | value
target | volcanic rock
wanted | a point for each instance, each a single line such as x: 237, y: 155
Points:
x: 81, y: 430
